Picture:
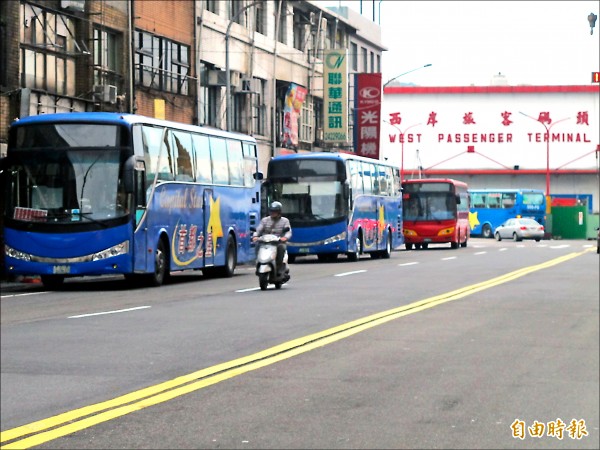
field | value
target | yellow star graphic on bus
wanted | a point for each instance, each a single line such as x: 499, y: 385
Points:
x: 214, y: 222
x: 381, y: 220
x: 473, y: 220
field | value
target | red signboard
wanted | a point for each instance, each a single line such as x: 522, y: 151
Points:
x: 367, y: 120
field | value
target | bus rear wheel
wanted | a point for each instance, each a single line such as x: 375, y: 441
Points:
x: 354, y: 256
x: 387, y: 252
x: 486, y: 231
x: 230, y: 260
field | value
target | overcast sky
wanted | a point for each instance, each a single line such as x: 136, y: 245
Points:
x: 468, y: 42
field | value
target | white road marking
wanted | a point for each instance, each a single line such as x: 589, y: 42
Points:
x: 560, y: 246
x: 349, y: 273
x: 109, y: 312
x: 449, y: 258
x: 22, y: 295
x: 248, y: 290
x: 408, y: 264
x: 480, y: 253
x: 503, y: 249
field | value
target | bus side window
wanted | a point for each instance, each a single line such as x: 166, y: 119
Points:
x: 202, y: 155
x: 182, y: 152
x: 235, y: 159
x: 478, y: 201
x: 220, y: 167
x: 508, y: 200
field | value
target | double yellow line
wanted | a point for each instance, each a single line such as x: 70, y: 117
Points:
x: 72, y: 421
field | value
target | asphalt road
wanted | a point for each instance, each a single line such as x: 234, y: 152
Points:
x: 434, y: 348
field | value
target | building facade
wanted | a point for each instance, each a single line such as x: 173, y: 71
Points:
x: 539, y: 137
x: 229, y: 64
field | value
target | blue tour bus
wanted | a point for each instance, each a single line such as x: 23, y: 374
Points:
x: 493, y: 206
x: 337, y: 203
x: 107, y: 193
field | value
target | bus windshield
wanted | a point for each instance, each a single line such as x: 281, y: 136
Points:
x: 311, y: 201
x: 426, y: 206
x: 64, y: 173
x: 310, y: 190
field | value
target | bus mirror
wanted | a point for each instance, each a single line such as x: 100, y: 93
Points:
x: 128, y: 175
x: 258, y: 176
x: 458, y: 199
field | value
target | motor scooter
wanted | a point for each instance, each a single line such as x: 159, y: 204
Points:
x: 266, y: 261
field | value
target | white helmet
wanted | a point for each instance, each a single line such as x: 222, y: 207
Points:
x: 275, y: 206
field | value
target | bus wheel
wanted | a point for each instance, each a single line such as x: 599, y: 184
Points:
x: 408, y: 246
x: 230, y: 260
x: 327, y: 257
x: 52, y: 281
x: 353, y: 256
x: 486, y: 231
x: 387, y: 252
x: 161, y: 262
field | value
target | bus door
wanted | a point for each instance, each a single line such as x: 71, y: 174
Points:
x: 140, y: 236
x: 207, y: 233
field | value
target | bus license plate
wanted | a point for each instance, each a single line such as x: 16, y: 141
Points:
x: 61, y: 270
x: 303, y: 250
x: 427, y: 240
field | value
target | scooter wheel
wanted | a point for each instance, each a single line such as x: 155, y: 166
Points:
x: 263, y: 281
x: 277, y: 285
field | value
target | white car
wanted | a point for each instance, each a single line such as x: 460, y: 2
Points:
x: 518, y: 229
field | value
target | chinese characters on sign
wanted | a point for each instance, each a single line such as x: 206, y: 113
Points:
x: 504, y: 118
x: 335, y: 96
x: 367, y: 103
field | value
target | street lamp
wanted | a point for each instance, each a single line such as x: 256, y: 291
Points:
x: 592, y: 20
x: 402, y: 135
x: 548, y: 128
x: 398, y: 76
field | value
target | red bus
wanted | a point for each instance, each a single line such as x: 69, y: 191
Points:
x: 435, y: 211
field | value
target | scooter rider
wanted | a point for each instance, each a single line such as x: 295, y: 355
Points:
x: 278, y: 225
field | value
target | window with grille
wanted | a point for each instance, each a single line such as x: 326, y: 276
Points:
x: 258, y: 108
x: 161, y: 63
x: 48, y: 51
x: 306, y: 121
x: 106, y: 61
x: 260, y: 21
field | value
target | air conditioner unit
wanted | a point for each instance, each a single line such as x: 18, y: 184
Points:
x: 219, y: 78
x: 235, y: 80
x: 249, y: 86
x: 105, y: 93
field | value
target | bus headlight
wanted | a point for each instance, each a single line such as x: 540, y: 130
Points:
x: 116, y: 250
x: 409, y: 232
x: 446, y: 231
x: 11, y: 252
